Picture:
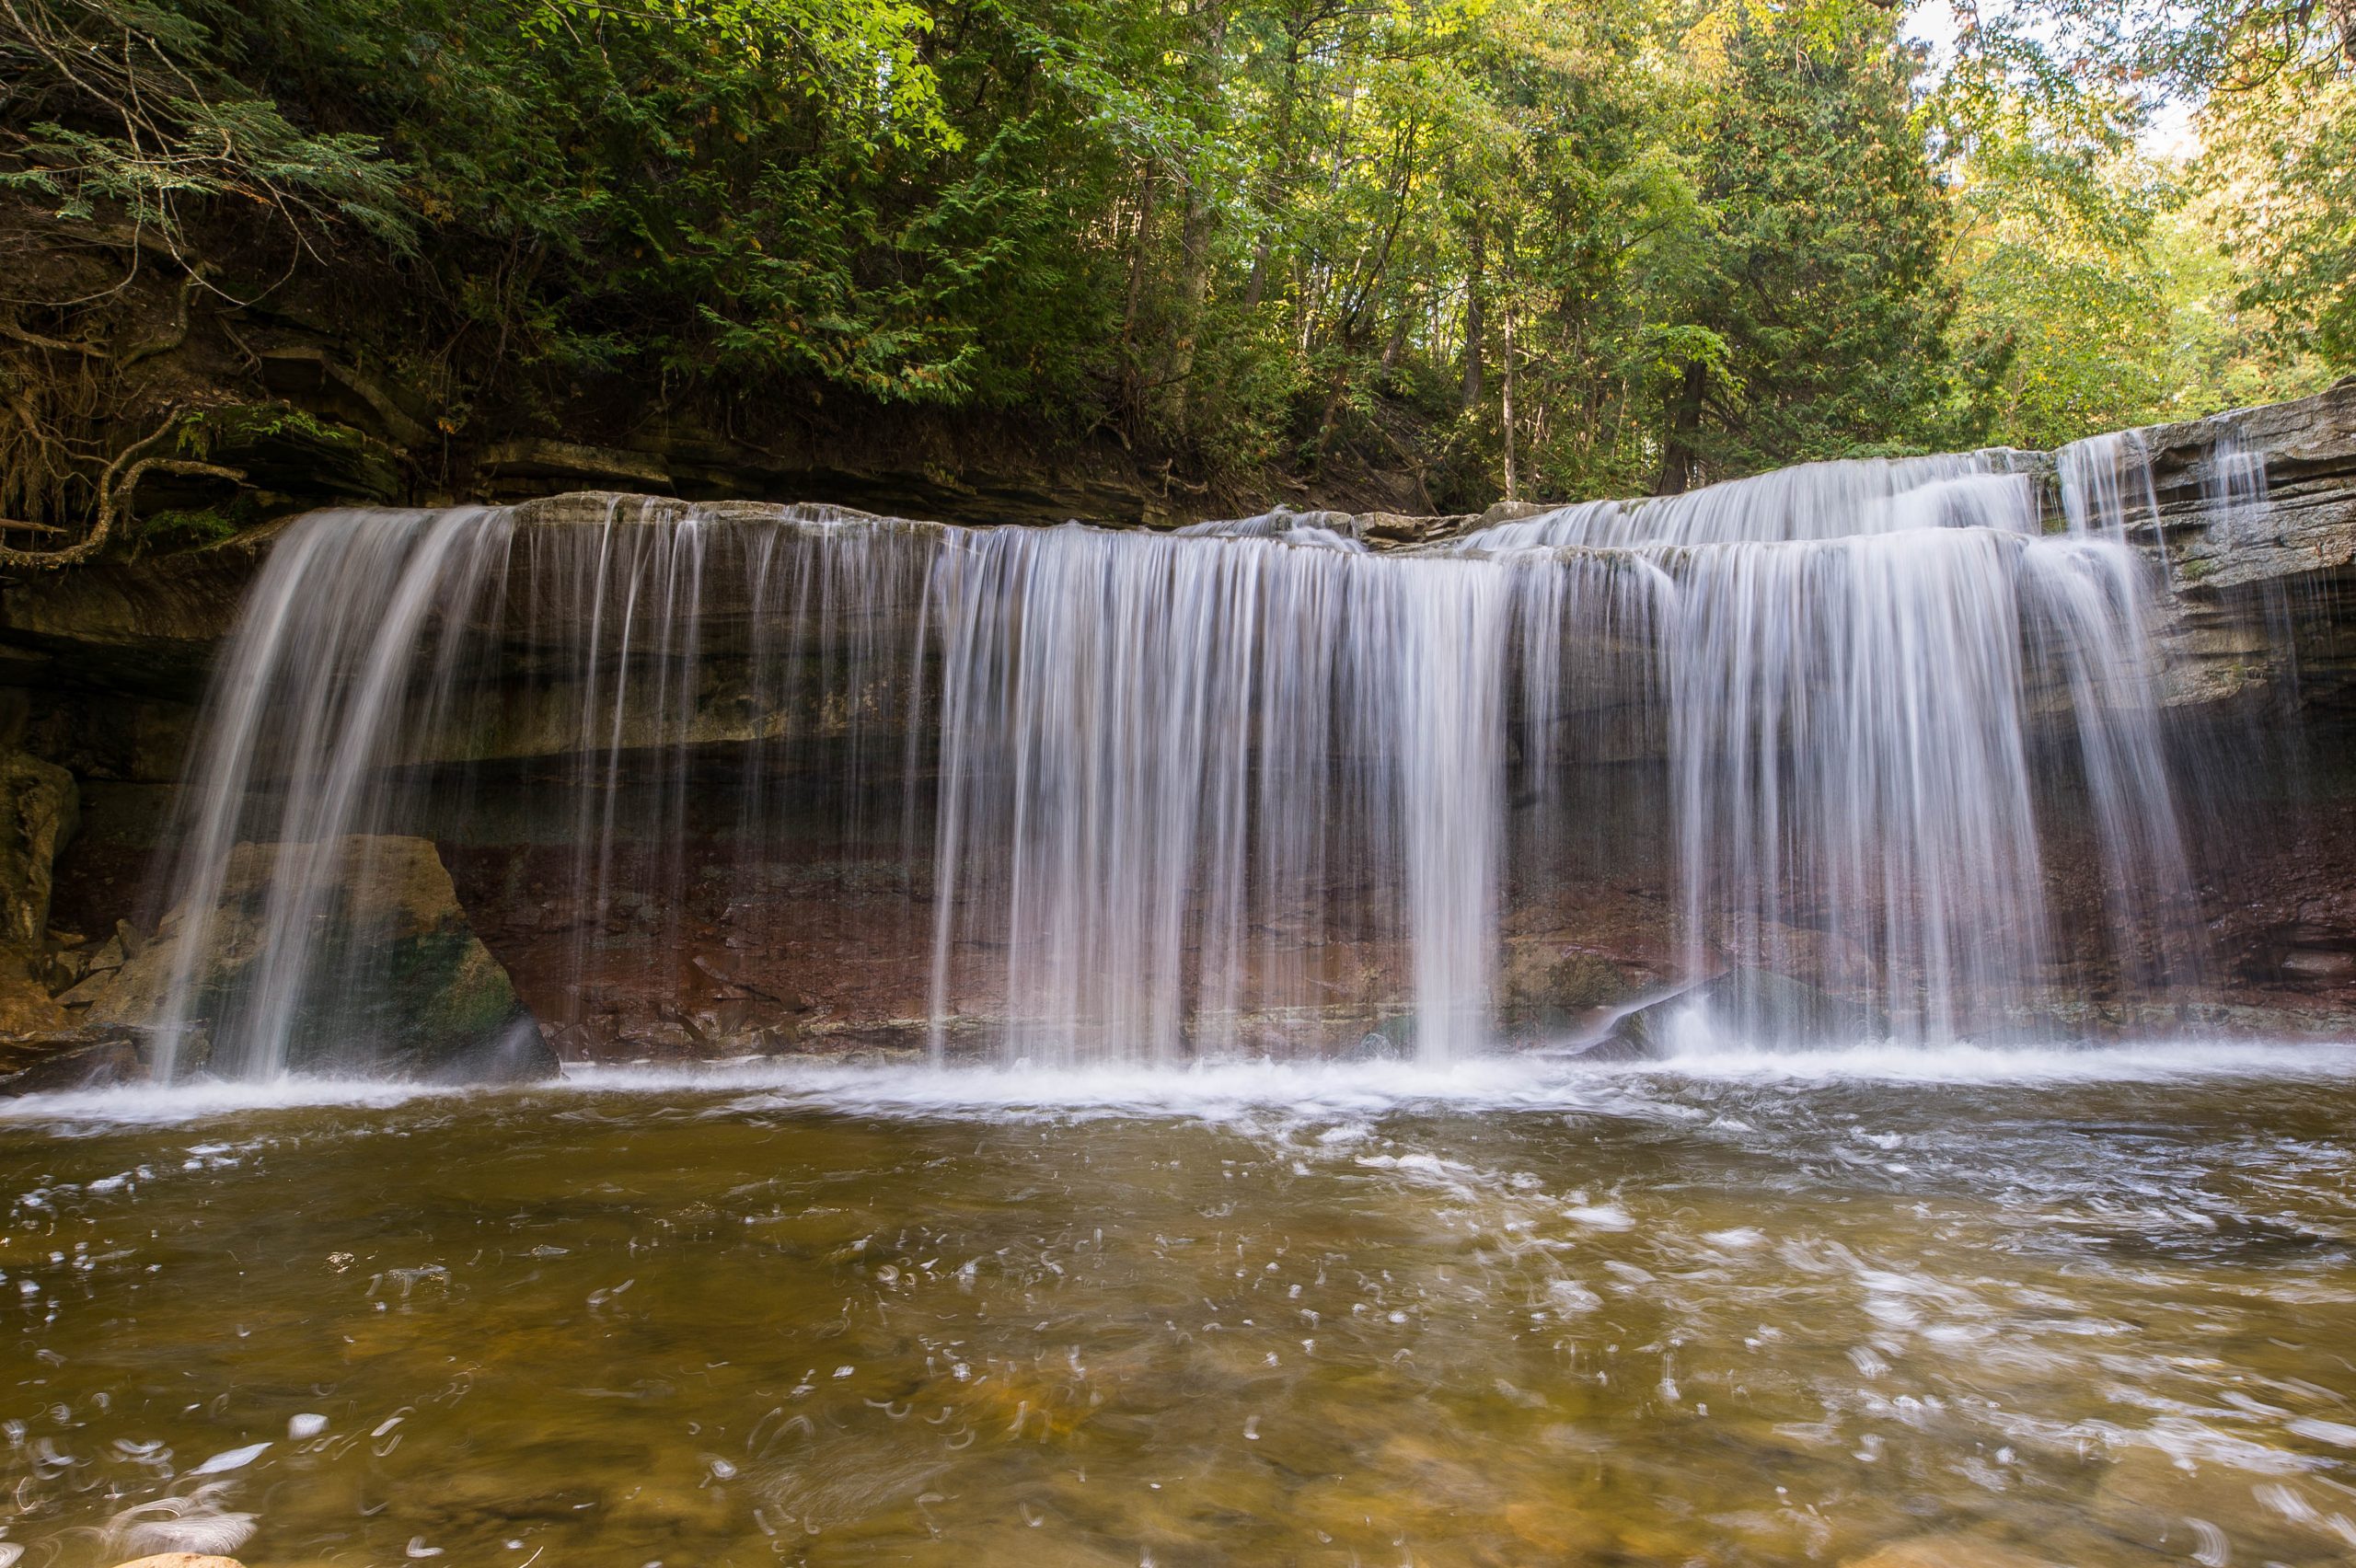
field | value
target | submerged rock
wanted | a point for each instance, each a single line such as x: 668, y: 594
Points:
x: 2267, y: 1512
x: 1949, y: 1551
x: 399, y: 982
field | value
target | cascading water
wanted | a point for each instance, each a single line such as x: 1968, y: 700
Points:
x: 383, y: 659
x: 1154, y: 748
x: 1857, y: 655
x: 1250, y: 788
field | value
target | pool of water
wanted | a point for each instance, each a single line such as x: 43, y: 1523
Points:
x: 1972, y: 1307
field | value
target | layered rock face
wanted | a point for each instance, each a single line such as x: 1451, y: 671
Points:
x: 702, y: 816
x: 40, y: 808
x: 399, y: 982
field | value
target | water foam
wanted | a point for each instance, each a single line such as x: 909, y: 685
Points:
x: 1212, y: 1091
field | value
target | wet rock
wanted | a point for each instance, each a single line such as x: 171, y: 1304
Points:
x: 182, y: 1560
x: 1549, y: 985
x: 537, y: 460
x: 38, y: 811
x: 1393, y: 1040
x: 2318, y: 964
x: 68, y: 969
x: 1513, y: 511
x: 2220, y: 1512
x: 1401, y: 529
x: 405, y: 985
x: 1755, y: 1006
x: 1952, y: 1551
x: 26, y: 1007
x: 92, y: 1057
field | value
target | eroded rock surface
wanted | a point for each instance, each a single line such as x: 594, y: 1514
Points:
x: 406, y: 987
x: 830, y: 948
x: 39, y: 812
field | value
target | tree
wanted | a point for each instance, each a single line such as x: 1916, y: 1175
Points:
x: 1824, y: 301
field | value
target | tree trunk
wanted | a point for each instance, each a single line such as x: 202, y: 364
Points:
x: 1397, y: 346
x: 1473, y: 328
x: 1678, y: 456
x: 1194, y: 229
x: 1194, y: 289
x: 1138, y: 255
x: 1513, y: 483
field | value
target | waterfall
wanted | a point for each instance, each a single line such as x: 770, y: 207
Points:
x: 1249, y: 788
x: 386, y: 663
x: 1155, y: 750
x: 1857, y: 657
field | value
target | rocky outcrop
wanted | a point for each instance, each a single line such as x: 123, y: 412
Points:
x: 412, y: 991
x: 67, y: 1059
x: 38, y: 811
x: 2306, y: 450
x: 144, y: 627
x: 114, y: 658
x: 2258, y: 511
x: 152, y: 627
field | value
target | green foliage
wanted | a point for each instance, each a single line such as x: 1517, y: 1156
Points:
x: 129, y: 110
x: 205, y: 431
x: 1823, y: 279
x: 2281, y: 184
x: 2106, y: 287
x: 1495, y: 243
x: 177, y: 529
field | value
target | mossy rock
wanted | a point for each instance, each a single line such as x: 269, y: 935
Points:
x: 285, y: 450
x: 394, y: 980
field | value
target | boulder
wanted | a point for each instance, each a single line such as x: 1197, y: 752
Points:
x: 397, y: 982
x: 1753, y: 1007
x: 1393, y: 1040
x: 1514, y: 511
x: 1551, y: 986
x: 97, y: 1057
x: 38, y: 811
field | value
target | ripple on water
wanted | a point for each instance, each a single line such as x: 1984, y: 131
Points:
x: 2087, y: 1306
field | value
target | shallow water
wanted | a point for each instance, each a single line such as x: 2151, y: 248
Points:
x: 2096, y: 1307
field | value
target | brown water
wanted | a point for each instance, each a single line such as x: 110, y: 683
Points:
x: 2093, y: 1310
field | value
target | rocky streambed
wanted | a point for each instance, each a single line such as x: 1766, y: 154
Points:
x: 1991, y: 1311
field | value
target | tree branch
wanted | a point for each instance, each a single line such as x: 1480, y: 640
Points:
x: 118, y: 487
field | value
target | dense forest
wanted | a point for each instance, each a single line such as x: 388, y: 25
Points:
x: 1507, y: 246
